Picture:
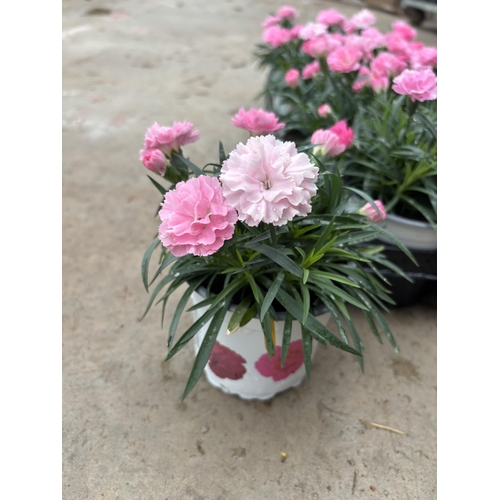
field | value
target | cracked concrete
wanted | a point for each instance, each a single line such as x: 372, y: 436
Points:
x: 126, y: 435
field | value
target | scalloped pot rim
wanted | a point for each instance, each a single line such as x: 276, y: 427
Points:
x: 414, y: 234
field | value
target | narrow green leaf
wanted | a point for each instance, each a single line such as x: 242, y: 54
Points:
x: 287, y: 334
x: 166, y: 262
x: 357, y: 343
x: 206, y: 348
x: 279, y: 257
x: 178, y: 159
x: 158, y: 186
x: 307, y: 349
x: 373, y: 326
x: 156, y: 291
x: 193, y: 330
x: 271, y: 294
x: 268, y: 334
x: 145, y: 262
x: 239, y: 313
x: 180, y: 308
x: 249, y: 315
x: 306, y: 302
x: 228, y: 290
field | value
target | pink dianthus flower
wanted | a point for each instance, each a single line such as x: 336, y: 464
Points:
x: 344, y: 133
x: 276, y: 36
x: 257, y: 121
x: 287, y: 12
x: 168, y: 139
x: 312, y: 30
x: 363, y: 19
x: 404, y: 30
x: 419, y: 85
x: 292, y: 77
x: 327, y: 143
x: 370, y: 212
x: 267, y: 180
x: 422, y: 58
x: 154, y: 160
x: 330, y: 17
x: 345, y: 59
x: 387, y: 64
x: 270, y: 21
x: 320, y: 46
x: 195, y: 217
x: 396, y: 44
x: 310, y: 70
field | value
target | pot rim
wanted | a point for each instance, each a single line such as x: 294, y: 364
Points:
x: 410, y: 222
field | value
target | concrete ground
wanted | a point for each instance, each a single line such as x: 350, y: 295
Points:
x: 126, y: 435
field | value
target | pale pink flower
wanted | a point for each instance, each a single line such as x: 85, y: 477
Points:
x: 405, y: 30
x: 327, y: 143
x: 370, y: 212
x: 287, y: 12
x: 419, y: 85
x: 387, y: 64
x: 362, y: 44
x: 324, y: 110
x: 195, y: 217
x: 396, y: 44
x: 310, y: 70
x: 374, y: 39
x: 344, y: 133
x: 345, y: 59
x: 425, y: 57
x: 312, y: 30
x: 330, y: 17
x: 154, y: 160
x: 363, y: 19
x: 295, y: 31
x: 348, y: 27
x: 292, y: 78
x: 270, y: 21
x: 276, y: 36
x: 320, y: 46
x: 257, y: 121
x: 168, y: 139
x: 267, y: 180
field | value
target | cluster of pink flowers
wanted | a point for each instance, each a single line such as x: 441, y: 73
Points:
x: 159, y: 142
x: 265, y: 180
x: 334, y: 140
x: 359, y: 48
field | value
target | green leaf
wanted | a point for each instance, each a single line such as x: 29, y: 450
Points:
x: 239, y: 313
x: 271, y: 294
x: 279, y: 257
x: 307, y: 348
x: 357, y: 343
x: 306, y: 302
x: 179, y: 160
x: 287, y: 334
x: 267, y: 328
x: 335, y: 290
x: 312, y: 324
x: 228, y: 290
x: 145, y: 262
x: 206, y: 348
x: 158, y: 186
x: 180, y: 307
x: 193, y: 330
x: 222, y: 153
x: 166, y: 262
x: 156, y: 291
x: 249, y: 315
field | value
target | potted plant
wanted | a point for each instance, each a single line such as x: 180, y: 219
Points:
x: 267, y: 252
x: 338, y: 75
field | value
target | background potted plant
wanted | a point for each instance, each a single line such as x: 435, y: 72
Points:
x: 336, y: 75
x: 268, y: 250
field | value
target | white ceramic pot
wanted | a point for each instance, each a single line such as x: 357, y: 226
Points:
x: 415, y: 235
x: 240, y: 365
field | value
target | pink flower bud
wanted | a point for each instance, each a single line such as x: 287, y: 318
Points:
x: 154, y: 160
x: 287, y: 12
x: 372, y: 214
x: 292, y: 78
x: 324, y: 110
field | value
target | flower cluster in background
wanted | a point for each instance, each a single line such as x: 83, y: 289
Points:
x: 381, y: 86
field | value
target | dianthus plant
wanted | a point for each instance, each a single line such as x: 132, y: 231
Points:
x: 265, y: 228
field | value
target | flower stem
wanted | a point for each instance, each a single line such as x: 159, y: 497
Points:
x: 274, y: 238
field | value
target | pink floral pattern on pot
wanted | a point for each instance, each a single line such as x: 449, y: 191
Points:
x: 226, y: 363
x: 272, y: 367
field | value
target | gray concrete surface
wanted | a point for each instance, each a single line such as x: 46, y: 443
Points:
x: 126, y: 435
